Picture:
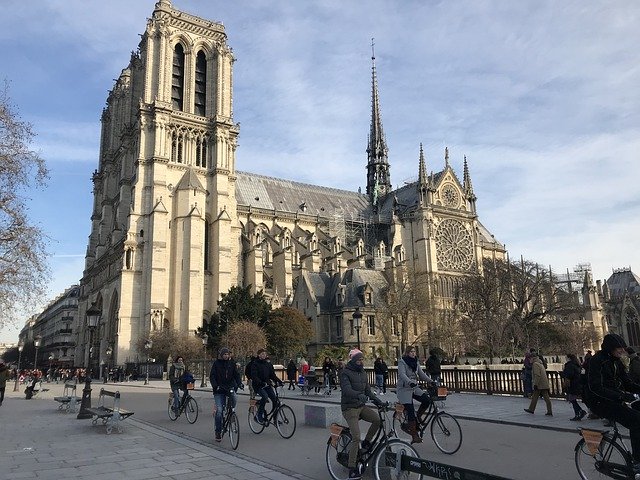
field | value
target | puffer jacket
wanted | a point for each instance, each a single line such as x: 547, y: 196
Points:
x: 354, y: 383
x: 224, y: 375
x: 607, y: 379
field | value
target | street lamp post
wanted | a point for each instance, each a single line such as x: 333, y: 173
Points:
x: 357, y: 323
x: 93, y: 318
x: 36, y: 343
x: 205, y: 339
x: 513, y: 349
x: 147, y: 346
x: 20, y: 348
x: 50, y: 371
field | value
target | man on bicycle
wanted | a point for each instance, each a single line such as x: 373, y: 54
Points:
x: 176, y: 371
x: 356, y: 391
x: 608, y: 390
x: 262, y: 377
x: 225, y: 380
x: 409, y: 374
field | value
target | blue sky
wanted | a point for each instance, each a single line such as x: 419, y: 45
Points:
x: 541, y: 96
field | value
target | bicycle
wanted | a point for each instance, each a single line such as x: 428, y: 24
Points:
x: 445, y: 430
x: 231, y: 424
x: 281, y: 416
x: 600, y: 454
x: 188, y: 405
x: 381, y: 455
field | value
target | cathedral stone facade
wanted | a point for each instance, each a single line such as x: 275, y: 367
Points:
x: 175, y: 225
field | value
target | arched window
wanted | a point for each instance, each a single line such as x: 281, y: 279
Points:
x: 201, y: 85
x: 201, y: 152
x: 633, y: 328
x: 177, y: 78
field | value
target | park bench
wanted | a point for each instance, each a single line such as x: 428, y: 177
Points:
x: 68, y: 401
x: 111, y: 415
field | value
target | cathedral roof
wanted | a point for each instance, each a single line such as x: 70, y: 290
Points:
x: 320, y: 285
x: 356, y: 279
x: 271, y: 193
x: 622, y: 281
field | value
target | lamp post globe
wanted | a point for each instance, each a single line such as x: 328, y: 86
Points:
x: 357, y: 323
x: 20, y: 348
x: 36, y: 343
x: 93, y: 315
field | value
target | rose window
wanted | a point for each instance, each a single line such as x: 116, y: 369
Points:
x: 454, y: 247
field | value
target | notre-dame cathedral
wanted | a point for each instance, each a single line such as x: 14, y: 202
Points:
x: 175, y: 225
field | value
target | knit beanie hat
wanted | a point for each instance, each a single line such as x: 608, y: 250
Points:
x: 223, y: 350
x: 353, y: 352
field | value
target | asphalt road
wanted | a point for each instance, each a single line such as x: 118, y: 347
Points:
x: 510, y: 451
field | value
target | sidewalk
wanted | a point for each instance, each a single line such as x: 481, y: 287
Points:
x: 37, y: 441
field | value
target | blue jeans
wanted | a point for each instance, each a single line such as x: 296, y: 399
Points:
x: 380, y: 382
x: 176, y: 396
x: 221, y: 401
x: 265, y: 392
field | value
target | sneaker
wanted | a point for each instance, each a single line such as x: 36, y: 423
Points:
x: 581, y: 415
x: 354, y: 474
x: 218, y: 437
x: 528, y: 411
x: 575, y: 419
x: 549, y: 414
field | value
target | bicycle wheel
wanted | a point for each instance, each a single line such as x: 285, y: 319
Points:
x: 173, y: 415
x: 610, y: 461
x: 285, y: 421
x: 191, y: 410
x: 255, y: 425
x: 337, y: 457
x: 384, y: 464
x: 446, y: 433
x: 234, y: 430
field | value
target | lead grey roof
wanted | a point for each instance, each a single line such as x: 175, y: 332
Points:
x: 320, y: 285
x: 623, y: 281
x: 285, y: 195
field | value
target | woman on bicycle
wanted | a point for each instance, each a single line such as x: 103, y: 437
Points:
x: 262, y: 376
x: 409, y: 373
x: 356, y: 391
x: 225, y: 380
x: 175, y: 381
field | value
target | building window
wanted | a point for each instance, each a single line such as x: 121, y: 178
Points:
x: 339, y: 326
x: 368, y: 297
x: 352, y: 330
x: 415, y: 327
x: 371, y: 325
x: 177, y: 78
x: 201, y: 85
x: 394, y: 327
x: 633, y: 328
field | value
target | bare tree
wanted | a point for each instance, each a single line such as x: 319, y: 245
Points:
x: 244, y: 338
x: 169, y: 343
x: 23, y: 267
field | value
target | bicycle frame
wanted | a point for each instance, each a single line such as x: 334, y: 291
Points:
x: 604, y: 466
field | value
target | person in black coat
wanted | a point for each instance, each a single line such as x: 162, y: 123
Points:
x: 225, y: 380
x: 263, y: 378
x: 292, y: 370
x: 609, y: 389
x: 571, y: 380
x: 432, y: 366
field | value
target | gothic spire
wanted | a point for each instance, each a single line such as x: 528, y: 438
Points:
x: 422, y: 178
x: 468, y: 187
x: 446, y: 157
x: 378, y: 175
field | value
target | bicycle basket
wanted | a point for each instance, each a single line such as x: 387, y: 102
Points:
x: 438, y: 393
x: 592, y: 439
x: 190, y: 386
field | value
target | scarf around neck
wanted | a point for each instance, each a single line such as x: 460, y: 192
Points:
x: 412, y: 363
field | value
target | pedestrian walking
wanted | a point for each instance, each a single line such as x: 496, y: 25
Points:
x: 4, y: 376
x: 381, y: 371
x: 527, y: 375
x: 571, y: 381
x: 540, y: 385
x: 432, y: 366
x: 292, y: 370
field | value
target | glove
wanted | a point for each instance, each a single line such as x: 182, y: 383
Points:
x: 413, y: 384
x: 363, y: 398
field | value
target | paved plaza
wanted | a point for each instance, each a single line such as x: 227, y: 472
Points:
x: 38, y: 441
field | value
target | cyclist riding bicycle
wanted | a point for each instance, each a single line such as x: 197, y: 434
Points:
x: 356, y: 391
x: 225, y: 380
x: 176, y: 372
x: 263, y: 377
x: 609, y: 387
x: 409, y: 373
